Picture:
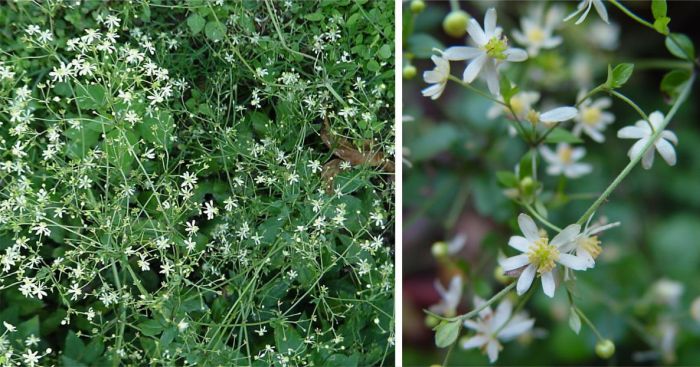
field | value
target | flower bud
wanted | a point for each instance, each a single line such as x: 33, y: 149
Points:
x: 431, y: 321
x: 500, y: 275
x: 409, y: 71
x: 417, y: 6
x: 527, y: 187
x: 439, y: 249
x: 605, y: 348
x: 455, y: 23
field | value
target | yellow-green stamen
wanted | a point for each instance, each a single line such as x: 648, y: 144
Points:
x: 543, y: 255
x: 496, y: 46
x: 591, y: 245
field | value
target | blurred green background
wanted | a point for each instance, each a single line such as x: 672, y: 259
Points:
x: 450, y: 187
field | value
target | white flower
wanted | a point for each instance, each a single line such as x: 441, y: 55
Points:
x: 182, y: 325
x: 599, y: 7
x: 603, y: 35
x: 587, y: 245
x: 492, y: 50
x: 437, y: 77
x: 564, y: 161
x: 31, y: 358
x: 449, y: 298
x: 9, y: 327
x: 490, y: 327
x: 642, y: 131
x: 537, y: 30
x: 551, y: 117
x: 591, y: 119
x: 521, y: 103
x: 539, y: 256
x: 667, y: 291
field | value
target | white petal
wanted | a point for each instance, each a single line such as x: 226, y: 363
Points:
x: 577, y: 170
x: 583, y: 17
x: 667, y: 152
x: 434, y: 91
x: 476, y: 33
x: 525, y: 280
x: 548, y: 285
x: 656, y: 118
x: 472, y: 325
x: 528, y: 227
x: 670, y: 136
x: 594, y: 134
x: 548, y: 154
x: 559, y: 114
x: 476, y: 341
x: 514, y: 262
x: 602, y: 103
x: 567, y: 235
x: 432, y: 76
x: 519, y: 243
x: 492, y: 350
x: 577, y: 153
x: 600, y: 8
x: 490, y: 22
x: 474, y: 68
x: 573, y: 262
x: 515, y: 54
x: 552, y: 42
x: 636, y: 149
x: 491, y: 76
x: 461, y: 53
x: 515, y: 328
x: 631, y: 132
x: 503, y: 312
x: 648, y: 159
x: 519, y: 37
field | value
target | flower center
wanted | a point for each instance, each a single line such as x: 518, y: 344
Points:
x: 543, y: 255
x: 495, y: 47
x: 533, y: 116
x: 565, y: 154
x: 591, y: 245
x: 535, y: 35
x: 517, y: 104
x: 591, y: 116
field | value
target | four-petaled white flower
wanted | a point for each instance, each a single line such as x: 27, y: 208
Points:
x: 537, y: 30
x: 437, y: 77
x: 643, y: 131
x: 449, y: 298
x: 492, y: 326
x: 599, y: 7
x: 591, y: 119
x: 565, y: 161
x: 490, y: 52
x: 540, y: 256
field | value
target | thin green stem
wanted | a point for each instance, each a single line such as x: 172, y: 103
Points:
x: 477, y: 91
x: 540, y: 218
x: 633, y: 105
x: 672, y: 112
x: 589, y: 323
x: 488, y: 303
x: 632, y: 15
x: 454, y: 5
x: 665, y: 64
x: 590, y: 94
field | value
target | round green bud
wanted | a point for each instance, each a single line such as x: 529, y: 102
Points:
x: 500, y: 275
x: 527, y: 186
x: 417, y: 6
x: 409, y: 72
x: 455, y: 23
x: 431, y: 321
x: 605, y: 348
x: 439, y: 249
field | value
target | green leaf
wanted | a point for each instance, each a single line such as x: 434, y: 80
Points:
x: 658, y: 8
x: 574, y: 321
x: 288, y: 340
x: 421, y: 45
x: 384, y: 52
x: 196, y: 23
x: 525, y: 165
x: 215, y: 31
x: 150, y: 327
x: 432, y: 142
x: 90, y: 97
x: 673, y: 82
x: 680, y: 46
x: 507, y: 89
x: 560, y: 135
x: 507, y: 178
x: 314, y: 17
x: 447, y: 332
x: 618, y: 76
x: 74, y: 347
x: 661, y: 25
